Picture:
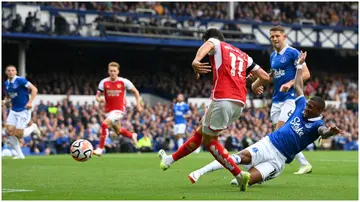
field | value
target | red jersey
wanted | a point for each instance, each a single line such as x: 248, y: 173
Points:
x: 115, y: 93
x: 229, y: 66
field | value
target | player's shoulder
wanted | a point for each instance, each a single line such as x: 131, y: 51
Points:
x: 105, y: 79
x: 293, y: 51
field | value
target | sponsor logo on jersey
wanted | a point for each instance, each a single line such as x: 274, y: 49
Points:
x: 296, y: 126
x: 279, y: 73
x: 12, y: 94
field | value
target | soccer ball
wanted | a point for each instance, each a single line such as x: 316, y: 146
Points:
x: 81, y: 150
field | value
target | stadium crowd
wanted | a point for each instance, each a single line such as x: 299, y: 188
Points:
x: 315, y: 13
x: 338, y: 87
x: 63, y: 122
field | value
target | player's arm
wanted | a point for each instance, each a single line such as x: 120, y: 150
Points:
x: 6, y: 100
x: 325, y: 132
x: 203, y: 68
x: 137, y: 97
x: 100, y: 92
x: 299, y: 82
x: 188, y: 114
x: 33, y: 93
x: 99, y: 97
x: 258, y: 72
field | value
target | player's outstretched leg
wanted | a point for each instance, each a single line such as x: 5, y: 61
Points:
x: 189, y: 146
x: 213, y: 166
x: 223, y: 157
x: 305, y: 166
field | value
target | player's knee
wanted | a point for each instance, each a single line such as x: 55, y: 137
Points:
x: 106, y: 123
x: 207, y: 139
x: 10, y: 131
x: 245, y: 156
x: 19, y: 133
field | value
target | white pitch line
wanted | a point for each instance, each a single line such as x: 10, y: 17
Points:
x: 15, y: 190
x: 332, y: 160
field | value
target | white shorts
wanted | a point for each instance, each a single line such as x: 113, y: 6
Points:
x: 179, y: 128
x: 19, y: 119
x: 115, y: 116
x: 282, y: 111
x: 219, y: 115
x: 266, y: 159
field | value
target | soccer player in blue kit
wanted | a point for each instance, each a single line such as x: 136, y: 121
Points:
x: 181, y: 113
x: 266, y: 158
x: 17, y: 90
x: 282, y: 62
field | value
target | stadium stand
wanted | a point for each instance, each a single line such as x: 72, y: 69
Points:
x: 75, y: 67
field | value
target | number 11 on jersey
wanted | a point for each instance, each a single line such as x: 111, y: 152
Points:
x: 233, y: 64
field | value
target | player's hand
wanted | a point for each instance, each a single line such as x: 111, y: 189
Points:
x: 285, y: 87
x: 100, y: 100
x: 259, y: 90
x: 251, y: 77
x: 302, y: 57
x: 201, y: 68
x: 29, y: 105
x: 271, y: 74
x: 139, y: 108
x: 335, y: 130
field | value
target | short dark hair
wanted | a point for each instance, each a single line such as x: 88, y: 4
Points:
x: 319, y: 101
x: 213, y: 33
x: 10, y: 66
x: 277, y: 28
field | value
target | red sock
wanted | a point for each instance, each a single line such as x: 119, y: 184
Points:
x: 189, y: 146
x: 126, y: 133
x: 223, y: 157
x: 103, y: 134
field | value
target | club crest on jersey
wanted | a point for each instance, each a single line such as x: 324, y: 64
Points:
x: 308, y: 125
x: 118, y: 86
x: 283, y: 59
x: 296, y: 126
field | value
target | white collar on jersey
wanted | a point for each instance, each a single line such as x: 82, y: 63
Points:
x: 180, y: 103
x: 283, y: 50
x: 316, y: 118
x: 13, y: 80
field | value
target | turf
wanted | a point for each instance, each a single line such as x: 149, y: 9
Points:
x: 138, y: 176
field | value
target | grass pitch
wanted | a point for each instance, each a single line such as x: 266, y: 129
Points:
x: 138, y: 176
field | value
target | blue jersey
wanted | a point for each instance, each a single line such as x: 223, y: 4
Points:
x: 180, y: 109
x: 297, y: 133
x: 283, y: 65
x: 18, y: 91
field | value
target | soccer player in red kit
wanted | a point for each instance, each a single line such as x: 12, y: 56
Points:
x: 114, y: 90
x: 229, y: 65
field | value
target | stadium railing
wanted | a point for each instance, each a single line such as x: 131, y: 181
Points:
x: 253, y: 35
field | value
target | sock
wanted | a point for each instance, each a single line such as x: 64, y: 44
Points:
x: 189, y: 146
x: 301, y: 158
x: 180, y: 142
x: 215, y: 165
x: 103, y: 134
x: 223, y: 157
x: 15, y: 142
x: 29, y: 130
x: 126, y: 133
x: 197, y: 150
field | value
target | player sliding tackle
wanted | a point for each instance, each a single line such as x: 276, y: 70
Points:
x: 266, y: 159
x: 229, y: 65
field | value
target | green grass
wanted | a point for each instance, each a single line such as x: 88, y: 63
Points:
x: 138, y: 176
